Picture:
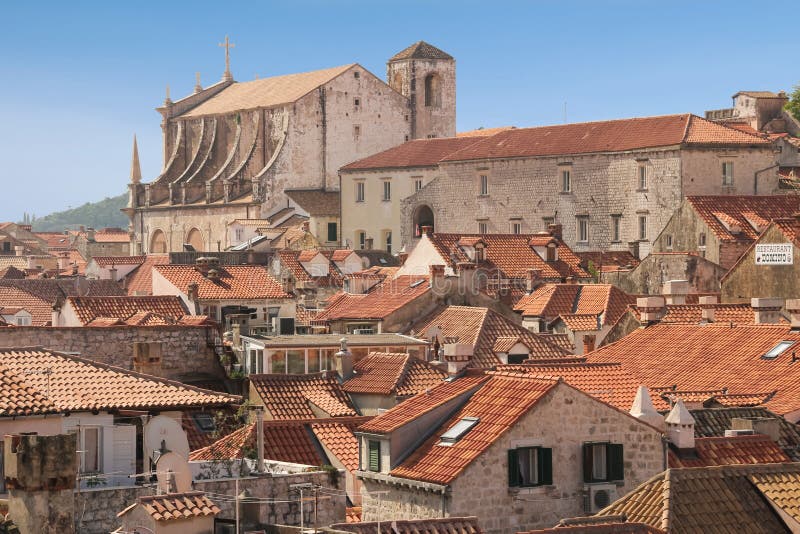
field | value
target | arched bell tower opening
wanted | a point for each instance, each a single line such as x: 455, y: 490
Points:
x: 423, y: 217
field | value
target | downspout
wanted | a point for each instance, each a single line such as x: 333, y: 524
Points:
x: 444, y: 503
x: 664, y: 448
x: 755, y: 177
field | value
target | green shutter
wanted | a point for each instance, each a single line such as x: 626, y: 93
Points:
x: 374, y: 456
x: 545, y: 458
x: 587, y: 462
x: 616, y: 462
x: 513, y: 468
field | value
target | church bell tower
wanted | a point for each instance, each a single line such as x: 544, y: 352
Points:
x: 427, y: 77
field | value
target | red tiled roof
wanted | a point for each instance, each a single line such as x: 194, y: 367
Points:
x: 341, y: 254
x: 290, y: 260
x: 288, y: 396
x: 416, y: 153
x: 238, y: 282
x: 41, y: 311
x: 578, y: 322
x: 552, y: 300
x: 756, y: 449
x: 711, y: 357
x: 111, y: 235
x: 605, y: 136
x: 481, y: 328
x: 608, y: 260
x: 110, y: 261
x: 735, y: 208
x: 337, y: 436
x: 608, y: 527
x: 516, y: 393
x: 12, y: 273
x: 384, y: 373
x: 52, y: 290
x: 177, y: 506
x: 741, y: 400
x: 510, y: 254
x: 140, y: 281
x: 381, y: 301
x: 445, y: 525
x: 723, y: 313
x: 166, y: 307
x: 225, y: 421
x: 484, y: 132
x: 77, y: 384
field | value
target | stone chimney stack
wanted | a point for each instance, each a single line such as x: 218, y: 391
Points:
x: 555, y: 230
x: 766, y: 310
x: 436, y: 274
x: 675, y: 291
x: 90, y: 234
x: 793, y: 309
x: 644, y: 410
x: 344, y: 361
x: 112, y: 274
x: 588, y: 343
x: 680, y: 426
x: 19, y: 250
x: 466, y: 277
x: 192, y: 291
x: 651, y: 309
x: 533, y: 280
x: 708, y: 305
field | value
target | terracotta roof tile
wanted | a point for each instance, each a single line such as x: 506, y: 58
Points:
x: 223, y: 419
x: 511, y: 255
x: 288, y: 396
x: 416, y: 153
x: 447, y: 525
x: 77, y: 384
x: 607, y: 302
x: 420, y: 50
x: 782, y: 490
x: 578, y: 322
x: 337, y: 436
x: 481, y: 327
x: 291, y: 260
x: 612, y: 526
x: 384, y: 373
x: 316, y: 202
x: 609, y: 260
x: 177, y: 506
x: 755, y: 449
x: 12, y: 273
x: 517, y: 393
x: 52, y: 290
x: 723, y: 313
x: 140, y: 281
x: 743, y: 399
x: 381, y: 301
x: 240, y: 282
x: 715, y: 211
x: 110, y: 261
x: 41, y: 310
x: 709, y: 357
x: 126, y: 308
x: 484, y: 132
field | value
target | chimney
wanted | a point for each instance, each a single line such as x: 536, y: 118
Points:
x: 769, y: 426
x: 588, y: 343
x: 19, y: 250
x: 466, y: 277
x: 675, y: 291
x: 260, y: 439
x: 533, y: 280
x: 112, y: 274
x: 82, y: 228
x: 306, y: 226
x: 212, y: 274
x: 555, y: 230
x: 192, y: 291
x: 766, y: 310
x: 90, y: 234
x: 651, y: 309
x: 288, y: 285
x: 680, y: 426
x: 402, y: 257
x: 427, y: 230
x: 436, y: 273
x: 201, y: 264
x: 344, y: 361
x: 644, y: 410
x: 708, y: 305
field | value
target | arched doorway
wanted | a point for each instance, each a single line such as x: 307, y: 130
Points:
x: 423, y: 216
x: 158, y: 243
x: 195, y: 238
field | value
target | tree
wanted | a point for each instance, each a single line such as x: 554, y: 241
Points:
x: 793, y: 105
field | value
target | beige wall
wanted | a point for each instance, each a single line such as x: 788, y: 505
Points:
x: 563, y: 420
x: 702, y: 171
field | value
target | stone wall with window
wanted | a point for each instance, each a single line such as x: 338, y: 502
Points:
x: 564, y: 423
x: 703, y: 171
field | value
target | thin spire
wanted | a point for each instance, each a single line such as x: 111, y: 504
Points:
x: 167, y: 100
x: 227, y: 45
x: 197, y: 86
x: 136, y: 170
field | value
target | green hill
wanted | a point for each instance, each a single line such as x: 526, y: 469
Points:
x: 95, y: 214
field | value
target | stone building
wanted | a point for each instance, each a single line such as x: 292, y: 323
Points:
x: 448, y: 453
x: 232, y: 148
x: 612, y: 185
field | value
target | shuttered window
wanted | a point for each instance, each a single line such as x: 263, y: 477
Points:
x: 530, y: 466
x: 603, y: 462
x: 374, y: 455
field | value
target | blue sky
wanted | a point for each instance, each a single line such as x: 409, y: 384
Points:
x: 78, y: 79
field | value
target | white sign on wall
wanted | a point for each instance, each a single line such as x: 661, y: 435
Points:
x: 774, y: 254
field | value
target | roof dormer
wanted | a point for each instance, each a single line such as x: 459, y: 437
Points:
x: 731, y: 225
x: 314, y: 262
x: 473, y: 247
x: 545, y: 245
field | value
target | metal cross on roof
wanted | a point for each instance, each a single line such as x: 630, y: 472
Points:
x: 227, y: 45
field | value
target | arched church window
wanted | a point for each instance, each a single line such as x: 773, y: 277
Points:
x: 433, y: 90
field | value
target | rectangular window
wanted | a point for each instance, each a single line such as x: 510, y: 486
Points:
x: 603, y: 462
x: 387, y: 190
x: 642, y: 177
x: 727, y: 173
x: 530, y: 466
x: 239, y: 233
x: 362, y: 240
x: 615, y: 220
x: 359, y: 191
x: 374, y: 448
x: 483, y: 228
x: 583, y: 229
x: 669, y: 241
x: 388, y: 241
x: 484, y: 185
x: 333, y: 232
x: 356, y: 102
x: 516, y: 228
x: 88, y: 448
x: 547, y: 221
x: 566, y: 181
x: 356, y: 131
x: 702, y: 240
x: 642, y: 227
x: 417, y: 184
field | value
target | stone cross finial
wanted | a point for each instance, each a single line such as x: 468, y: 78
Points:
x: 197, y: 86
x: 167, y: 100
x: 227, y: 45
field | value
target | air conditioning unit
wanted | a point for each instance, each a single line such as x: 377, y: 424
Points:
x: 598, y: 496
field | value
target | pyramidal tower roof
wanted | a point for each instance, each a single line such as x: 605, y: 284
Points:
x: 421, y: 50
x: 680, y: 415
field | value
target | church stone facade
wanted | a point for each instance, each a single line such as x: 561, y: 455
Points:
x: 231, y: 150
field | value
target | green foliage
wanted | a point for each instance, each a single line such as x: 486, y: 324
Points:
x: 100, y: 214
x: 793, y: 105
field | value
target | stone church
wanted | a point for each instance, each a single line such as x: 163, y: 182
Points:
x: 232, y: 149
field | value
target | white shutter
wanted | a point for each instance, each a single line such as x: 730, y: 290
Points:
x: 124, y: 455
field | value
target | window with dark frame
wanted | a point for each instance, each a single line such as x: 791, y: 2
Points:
x: 615, y: 220
x: 362, y: 240
x: 566, y: 181
x: 642, y: 177
x: 387, y: 190
x: 516, y: 228
x: 359, y: 191
x: 484, y: 185
x: 642, y: 227
x: 727, y: 173
x: 333, y: 231
x: 530, y: 467
x: 603, y: 462
x: 583, y: 229
x: 417, y: 184
x: 374, y: 458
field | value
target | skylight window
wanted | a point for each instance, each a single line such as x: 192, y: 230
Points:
x: 415, y: 283
x: 458, y: 431
x: 205, y: 422
x: 778, y: 349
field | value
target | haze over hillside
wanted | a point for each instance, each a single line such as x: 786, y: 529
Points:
x: 101, y: 214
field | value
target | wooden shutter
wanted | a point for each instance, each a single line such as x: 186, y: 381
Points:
x: 513, y: 468
x: 374, y: 456
x: 545, y: 458
x: 588, y: 465
x: 616, y: 462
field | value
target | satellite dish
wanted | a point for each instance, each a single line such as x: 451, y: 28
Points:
x: 165, y: 433
x: 173, y: 473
